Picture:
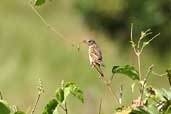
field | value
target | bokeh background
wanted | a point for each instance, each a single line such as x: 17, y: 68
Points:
x: 29, y: 50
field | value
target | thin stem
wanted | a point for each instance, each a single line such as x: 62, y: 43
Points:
x: 108, y: 84
x: 111, y: 78
x: 60, y: 35
x: 66, y: 109
x: 112, y: 92
x: 62, y: 107
x: 132, y: 25
x: 121, y: 94
x: 1, y: 97
x: 169, y: 76
x: 157, y: 74
x: 150, y: 68
x: 153, y: 37
x: 139, y: 71
x: 139, y: 64
x: 139, y: 41
x: 148, y: 30
x: 100, y: 106
x: 149, y: 40
x: 35, y: 105
x: 145, y: 81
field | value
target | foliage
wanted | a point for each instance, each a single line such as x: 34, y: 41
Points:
x: 150, y: 100
x: 4, y: 108
x: 61, y: 95
x: 19, y: 112
x: 114, y: 17
x: 39, y: 2
x: 52, y: 106
x: 128, y: 70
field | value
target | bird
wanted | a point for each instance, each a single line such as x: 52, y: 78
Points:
x: 95, y: 55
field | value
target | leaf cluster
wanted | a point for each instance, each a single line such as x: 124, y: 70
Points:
x: 61, y: 94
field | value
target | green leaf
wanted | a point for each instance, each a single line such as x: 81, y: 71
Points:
x: 72, y: 88
x: 19, y: 112
x: 162, y: 94
x: 60, y: 95
x: 50, y: 107
x: 78, y: 93
x: 68, y: 84
x: 139, y: 110
x: 128, y: 70
x: 4, y: 108
x: 151, y: 109
x: 39, y: 2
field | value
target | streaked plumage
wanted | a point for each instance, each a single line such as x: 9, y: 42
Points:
x: 95, y: 54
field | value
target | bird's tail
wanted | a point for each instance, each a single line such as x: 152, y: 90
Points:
x: 101, y: 63
x: 98, y: 68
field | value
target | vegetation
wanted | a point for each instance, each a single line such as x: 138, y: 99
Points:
x: 149, y: 101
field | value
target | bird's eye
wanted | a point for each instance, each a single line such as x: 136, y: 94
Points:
x: 89, y: 41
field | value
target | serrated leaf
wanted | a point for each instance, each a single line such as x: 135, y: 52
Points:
x: 60, y: 95
x: 50, y: 107
x: 72, y: 88
x: 128, y: 70
x: 4, y: 108
x: 19, y: 112
x: 39, y: 2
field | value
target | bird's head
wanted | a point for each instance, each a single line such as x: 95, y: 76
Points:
x: 89, y: 42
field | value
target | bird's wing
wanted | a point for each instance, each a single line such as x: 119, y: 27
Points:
x: 96, y: 54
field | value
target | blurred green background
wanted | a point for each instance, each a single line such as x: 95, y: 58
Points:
x: 29, y: 50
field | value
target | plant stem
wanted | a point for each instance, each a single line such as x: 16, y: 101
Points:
x: 66, y: 109
x: 139, y: 72
x: 107, y: 83
x: 100, y: 106
x: 35, y: 105
x: 139, y: 63
x: 157, y: 74
x: 145, y: 81
x: 46, y: 23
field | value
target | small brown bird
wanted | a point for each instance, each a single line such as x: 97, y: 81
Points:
x: 95, y: 55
